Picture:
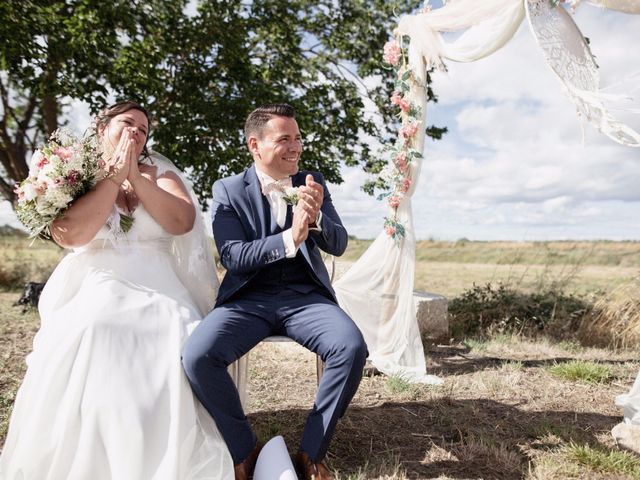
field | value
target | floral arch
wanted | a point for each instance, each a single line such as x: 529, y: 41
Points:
x: 377, y: 291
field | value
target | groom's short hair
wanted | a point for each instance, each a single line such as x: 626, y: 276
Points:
x: 260, y: 116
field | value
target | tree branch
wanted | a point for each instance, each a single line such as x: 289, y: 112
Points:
x: 7, y: 191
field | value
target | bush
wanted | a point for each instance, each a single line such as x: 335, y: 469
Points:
x: 488, y: 310
x: 14, y: 271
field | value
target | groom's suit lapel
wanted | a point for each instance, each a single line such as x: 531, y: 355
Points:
x: 256, y: 201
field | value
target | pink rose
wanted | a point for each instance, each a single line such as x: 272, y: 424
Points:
x: 394, y: 202
x: 401, y: 161
x: 391, y: 231
x: 65, y: 153
x: 408, y: 131
x: 392, y: 52
x: 73, y: 177
x: 42, y: 161
x: 406, y: 185
x: 40, y: 187
x: 397, y: 99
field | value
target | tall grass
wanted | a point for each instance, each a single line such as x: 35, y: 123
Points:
x: 604, y: 253
x: 615, y: 319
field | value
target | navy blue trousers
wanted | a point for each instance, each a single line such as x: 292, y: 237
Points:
x: 235, y: 327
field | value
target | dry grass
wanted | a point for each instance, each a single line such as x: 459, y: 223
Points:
x: 16, y: 334
x: 23, y: 260
x: 615, y: 320
x: 449, y: 268
x: 500, y: 414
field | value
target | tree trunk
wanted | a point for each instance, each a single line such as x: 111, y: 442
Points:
x: 50, y: 102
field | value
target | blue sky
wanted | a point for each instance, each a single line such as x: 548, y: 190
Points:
x: 514, y: 164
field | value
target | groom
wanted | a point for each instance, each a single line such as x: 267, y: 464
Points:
x: 276, y: 284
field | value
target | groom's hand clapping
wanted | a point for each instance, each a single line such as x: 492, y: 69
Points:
x: 310, y: 198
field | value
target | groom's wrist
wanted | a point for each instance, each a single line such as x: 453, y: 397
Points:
x: 316, y: 226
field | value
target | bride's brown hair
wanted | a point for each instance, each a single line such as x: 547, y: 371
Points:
x: 106, y: 114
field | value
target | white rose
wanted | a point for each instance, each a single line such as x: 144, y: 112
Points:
x: 29, y: 191
x: 33, y: 164
x: 74, y: 163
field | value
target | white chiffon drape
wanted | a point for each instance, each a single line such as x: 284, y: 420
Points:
x: 377, y: 291
x: 105, y: 396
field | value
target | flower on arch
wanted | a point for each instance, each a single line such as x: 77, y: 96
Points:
x: 392, y: 52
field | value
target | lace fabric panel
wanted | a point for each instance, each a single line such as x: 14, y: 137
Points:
x: 569, y: 56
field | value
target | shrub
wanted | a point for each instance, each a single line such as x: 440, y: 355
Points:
x: 489, y: 310
x: 14, y: 271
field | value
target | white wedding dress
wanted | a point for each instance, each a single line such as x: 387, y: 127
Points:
x: 104, y: 396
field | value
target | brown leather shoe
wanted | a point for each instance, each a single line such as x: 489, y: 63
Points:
x: 311, y: 470
x: 244, y: 470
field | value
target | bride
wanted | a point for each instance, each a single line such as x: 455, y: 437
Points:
x: 104, y: 396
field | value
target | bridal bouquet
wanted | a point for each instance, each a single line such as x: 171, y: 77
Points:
x: 64, y: 169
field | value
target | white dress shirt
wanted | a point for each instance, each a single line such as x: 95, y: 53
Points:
x: 279, y: 210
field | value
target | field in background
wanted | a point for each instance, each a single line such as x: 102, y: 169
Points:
x: 449, y: 268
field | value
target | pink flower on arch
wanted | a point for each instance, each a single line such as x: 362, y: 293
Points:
x: 408, y: 131
x: 398, y: 100
x: 394, y: 201
x: 401, y: 161
x: 391, y: 231
x: 406, y: 185
x: 392, y: 52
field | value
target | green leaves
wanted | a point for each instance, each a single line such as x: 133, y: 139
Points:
x: 200, y: 70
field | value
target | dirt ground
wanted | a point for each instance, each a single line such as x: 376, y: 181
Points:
x: 501, y: 414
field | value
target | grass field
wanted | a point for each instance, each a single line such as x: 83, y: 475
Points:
x: 449, y: 268
x: 510, y: 407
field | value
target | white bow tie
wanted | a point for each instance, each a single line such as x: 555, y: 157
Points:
x: 277, y: 186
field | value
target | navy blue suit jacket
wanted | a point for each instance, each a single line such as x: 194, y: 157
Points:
x: 243, y: 235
